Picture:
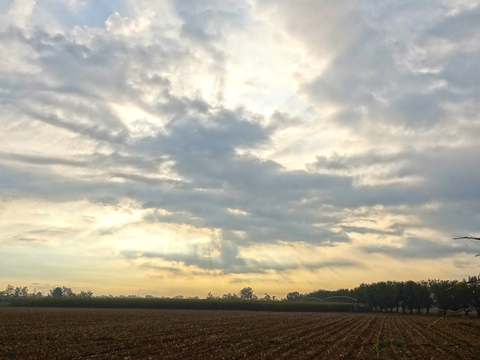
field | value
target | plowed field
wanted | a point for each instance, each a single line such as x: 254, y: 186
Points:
x: 188, y: 334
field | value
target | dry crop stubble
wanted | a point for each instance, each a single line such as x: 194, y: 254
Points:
x: 52, y: 333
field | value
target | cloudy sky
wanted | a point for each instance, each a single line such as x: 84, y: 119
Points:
x: 185, y: 146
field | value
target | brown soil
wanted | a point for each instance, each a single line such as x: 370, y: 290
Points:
x: 27, y: 333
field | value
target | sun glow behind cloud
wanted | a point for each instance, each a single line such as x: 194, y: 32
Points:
x: 177, y: 147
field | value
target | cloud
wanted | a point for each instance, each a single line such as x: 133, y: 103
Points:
x: 444, y: 174
x: 27, y: 233
x: 228, y: 260
x: 170, y: 269
x: 20, y: 11
x: 238, y: 280
x: 105, y: 201
x: 364, y: 230
x: 28, y: 240
x: 417, y: 248
x: 398, y: 41
x: 457, y: 27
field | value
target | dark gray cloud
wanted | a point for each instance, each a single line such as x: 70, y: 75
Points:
x: 442, y: 174
x: 226, y: 259
x: 93, y: 131
x: 461, y: 26
x: 364, y: 230
x: 105, y: 201
x: 204, y: 258
x: 417, y: 248
x: 43, y: 160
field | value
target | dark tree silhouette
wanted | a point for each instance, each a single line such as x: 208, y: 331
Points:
x: 247, y: 294
x: 57, y: 292
x: 294, y: 295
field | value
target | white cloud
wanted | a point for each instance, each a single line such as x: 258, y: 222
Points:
x: 20, y: 11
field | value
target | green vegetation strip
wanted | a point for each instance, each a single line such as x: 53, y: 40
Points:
x: 286, y: 306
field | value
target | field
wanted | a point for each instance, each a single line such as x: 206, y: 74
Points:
x: 46, y: 333
x: 200, y: 304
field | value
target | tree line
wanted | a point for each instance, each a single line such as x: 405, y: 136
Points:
x: 409, y: 296
x: 394, y: 296
x: 58, y: 291
x: 245, y: 294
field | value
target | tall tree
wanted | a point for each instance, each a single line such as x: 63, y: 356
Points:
x: 410, y: 295
x: 67, y: 292
x: 425, y: 295
x: 56, y: 292
x: 293, y: 296
x: 400, y: 291
x: 444, y: 294
x: 247, y: 294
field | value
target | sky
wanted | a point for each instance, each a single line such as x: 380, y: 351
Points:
x: 175, y: 147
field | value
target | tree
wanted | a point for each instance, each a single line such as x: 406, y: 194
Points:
x: 67, y: 292
x: 410, y: 298
x: 56, y: 292
x: 230, y: 296
x: 420, y: 295
x: 267, y: 297
x: 444, y: 293
x: 400, y: 291
x: 247, y: 294
x: 392, y: 298
x: 9, y: 291
x: 293, y: 296
x: 466, y: 296
x: 425, y: 295
x: 473, y: 283
x: 372, y: 296
x: 89, y: 294
x: 20, y: 291
x: 360, y: 292
x: 210, y: 296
